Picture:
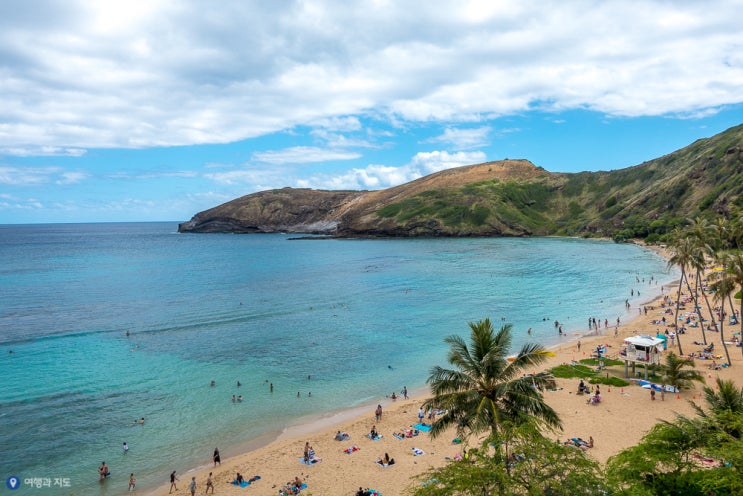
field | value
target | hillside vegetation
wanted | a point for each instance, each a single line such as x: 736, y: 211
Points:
x: 509, y: 198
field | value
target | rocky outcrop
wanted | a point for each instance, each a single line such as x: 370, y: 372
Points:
x: 288, y: 210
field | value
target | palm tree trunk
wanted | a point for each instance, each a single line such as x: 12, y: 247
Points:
x: 740, y: 319
x: 697, y: 285
x: 676, y: 317
x: 722, y: 329
x: 709, y: 309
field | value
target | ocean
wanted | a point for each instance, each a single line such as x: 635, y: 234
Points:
x: 349, y: 321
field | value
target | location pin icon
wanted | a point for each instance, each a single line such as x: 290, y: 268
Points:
x: 13, y: 482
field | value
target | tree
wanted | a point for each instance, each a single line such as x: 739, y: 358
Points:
x: 683, y: 252
x: 732, y: 263
x: 667, y: 449
x: 725, y: 408
x: 723, y: 288
x: 728, y: 397
x: 486, y: 388
x: 701, y: 231
x: 669, y: 459
x: 532, y: 465
x: 675, y: 373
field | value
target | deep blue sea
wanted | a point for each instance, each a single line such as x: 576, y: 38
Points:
x: 362, y: 318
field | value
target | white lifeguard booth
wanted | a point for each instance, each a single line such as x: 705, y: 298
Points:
x: 642, y: 349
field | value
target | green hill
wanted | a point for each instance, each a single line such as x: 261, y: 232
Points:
x: 509, y: 198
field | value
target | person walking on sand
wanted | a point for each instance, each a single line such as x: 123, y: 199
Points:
x: 216, y: 458
x: 209, y: 484
x: 192, y: 486
x: 173, y: 480
x: 378, y: 413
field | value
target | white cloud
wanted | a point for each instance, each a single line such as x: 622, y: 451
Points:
x: 43, y: 151
x: 88, y: 74
x: 463, y: 138
x: 25, y: 176
x: 303, y: 154
x: 380, y: 176
x: 72, y: 177
x: 34, y: 176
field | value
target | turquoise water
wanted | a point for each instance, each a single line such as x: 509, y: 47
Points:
x: 363, y: 318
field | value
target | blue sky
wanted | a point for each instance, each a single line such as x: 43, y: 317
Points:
x: 156, y: 110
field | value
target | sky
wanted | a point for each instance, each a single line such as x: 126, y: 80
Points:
x: 155, y: 110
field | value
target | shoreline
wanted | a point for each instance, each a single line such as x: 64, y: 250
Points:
x: 277, y: 456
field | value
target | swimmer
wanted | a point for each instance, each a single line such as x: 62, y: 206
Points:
x: 126, y: 448
x: 140, y: 421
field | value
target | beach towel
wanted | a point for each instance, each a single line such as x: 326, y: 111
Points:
x: 246, y: 483
x: 377, y: 438
x: 351, y: 449
x: 311, y: 462
x: 398, y: 436
x: 418, y: 451
x: 423, y: 427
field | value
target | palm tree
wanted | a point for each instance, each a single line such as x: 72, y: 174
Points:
x: 486, y: 390
x: 682, y: 249
x: 725, y: 406
x: 732, y: 263
x: 675, y: 373
x: 727, y: 397
x: 701, y: 231
x: 723, y: 288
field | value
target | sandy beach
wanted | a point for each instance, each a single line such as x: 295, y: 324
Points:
x: 619, y: 421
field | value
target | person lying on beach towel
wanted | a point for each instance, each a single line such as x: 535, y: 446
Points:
x: 418, y: 451
x: 342, y: 436
x: 291, y: 488
x: 386, y: 461
x: 351, y: 449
